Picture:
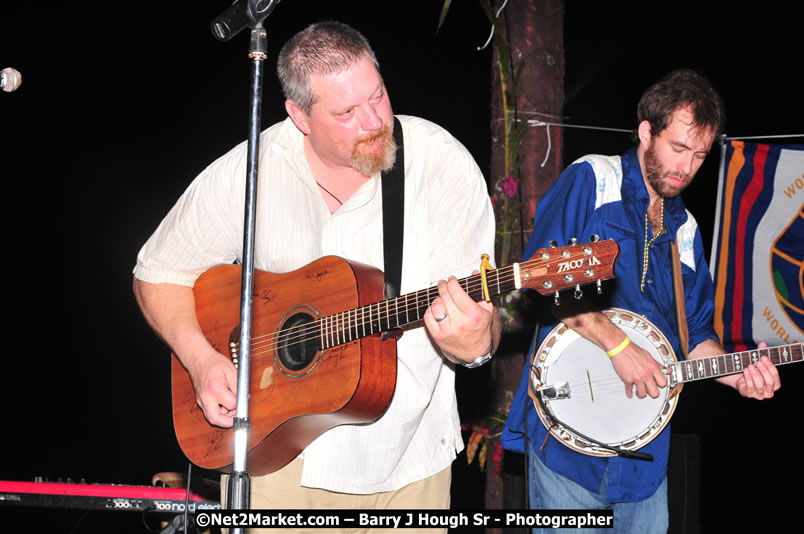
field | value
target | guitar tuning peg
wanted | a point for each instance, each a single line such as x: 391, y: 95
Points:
x: 595, y: 238
x: 578, y: 293
x: 573, y: 241
x: 553, y: 243
x: 556, y: 299
x: 599, y: 286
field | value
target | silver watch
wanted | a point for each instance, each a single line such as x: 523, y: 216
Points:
x: 480, y: 360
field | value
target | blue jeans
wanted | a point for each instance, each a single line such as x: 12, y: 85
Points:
x: 551, y: 491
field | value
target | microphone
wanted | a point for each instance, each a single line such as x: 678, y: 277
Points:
x: 10, y: 79
x: 240, y: 14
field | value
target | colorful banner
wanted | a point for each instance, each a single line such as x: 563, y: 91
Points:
x: 757, y: 258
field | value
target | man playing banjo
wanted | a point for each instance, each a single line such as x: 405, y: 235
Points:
x: 635, y: 200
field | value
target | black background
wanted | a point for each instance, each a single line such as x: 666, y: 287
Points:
x: 123, y: 104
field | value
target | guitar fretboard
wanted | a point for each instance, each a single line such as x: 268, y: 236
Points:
x: 729, y: 364
x: 395, y: 313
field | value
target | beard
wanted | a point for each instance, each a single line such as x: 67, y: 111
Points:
x: 368, y: 159
x: 655, y: 175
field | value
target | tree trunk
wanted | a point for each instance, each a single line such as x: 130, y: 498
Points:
x: 534, y: 31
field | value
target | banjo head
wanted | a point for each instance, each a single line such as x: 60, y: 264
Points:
x: 584, y: 397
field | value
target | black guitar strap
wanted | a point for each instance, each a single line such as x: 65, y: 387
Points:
x: 393, y: 216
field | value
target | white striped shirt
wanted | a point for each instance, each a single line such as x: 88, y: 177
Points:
x: 449, y: 223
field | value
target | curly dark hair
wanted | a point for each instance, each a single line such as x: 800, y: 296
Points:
x: 682, y: 88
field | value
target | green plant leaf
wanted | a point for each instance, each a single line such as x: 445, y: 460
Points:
x: 444, y: 11
x: 518, y: 77
x: 517, y: 134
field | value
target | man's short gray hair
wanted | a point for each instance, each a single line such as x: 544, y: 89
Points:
x: 321, y: 48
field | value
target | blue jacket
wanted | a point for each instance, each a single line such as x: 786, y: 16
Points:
x: 606, y: 196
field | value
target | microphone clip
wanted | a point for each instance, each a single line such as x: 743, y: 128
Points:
x: 240, y: 15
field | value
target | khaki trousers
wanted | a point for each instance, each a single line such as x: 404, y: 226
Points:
x: 282, y: 490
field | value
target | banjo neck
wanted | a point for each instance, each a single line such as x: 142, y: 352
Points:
x: 729, y: 364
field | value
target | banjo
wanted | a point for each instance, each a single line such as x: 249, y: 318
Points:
x: 580, y: 398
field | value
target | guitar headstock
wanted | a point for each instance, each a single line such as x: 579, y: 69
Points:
x: 555, y: 269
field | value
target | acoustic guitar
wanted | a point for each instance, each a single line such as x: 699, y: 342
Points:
x: 318, y: 358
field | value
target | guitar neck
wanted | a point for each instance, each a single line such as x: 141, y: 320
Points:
x: 548, y: 271
x: 394, y: 313
x: 729, y: 364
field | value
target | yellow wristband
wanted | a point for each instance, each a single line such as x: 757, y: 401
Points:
x: 619, y: 348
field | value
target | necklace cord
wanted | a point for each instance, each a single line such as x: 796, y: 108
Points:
x: 649, y: 242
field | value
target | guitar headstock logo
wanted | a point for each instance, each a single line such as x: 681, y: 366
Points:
x: 555, y: 268
x: 565, y: 266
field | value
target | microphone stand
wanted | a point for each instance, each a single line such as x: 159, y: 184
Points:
x: 242, y: 14
x: 238, y: 490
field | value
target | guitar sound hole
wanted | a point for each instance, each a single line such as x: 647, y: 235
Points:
x: 298, y: 342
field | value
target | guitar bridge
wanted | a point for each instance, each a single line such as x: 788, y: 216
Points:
x: 556, y: 391
x: 234, y: 345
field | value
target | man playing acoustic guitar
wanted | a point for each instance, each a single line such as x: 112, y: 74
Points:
x: 320, y: 195
x: 633, y: 199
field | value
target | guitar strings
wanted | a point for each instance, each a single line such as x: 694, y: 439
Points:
x: 343, y: 324
x: 340, y: 330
